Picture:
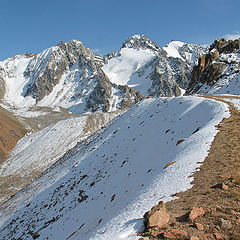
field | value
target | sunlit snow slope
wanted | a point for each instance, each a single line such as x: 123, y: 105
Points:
x: 35, y: 152
x: 103, y: 188
x: 121, y: 68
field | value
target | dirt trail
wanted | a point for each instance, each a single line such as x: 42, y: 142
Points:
x: 222, y: 165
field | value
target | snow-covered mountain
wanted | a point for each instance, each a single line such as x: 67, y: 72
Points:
x: 67, y: 75
x: 101, y: 188
x: 143, y: 65
x: 71, y: 76
x: 218, y: 71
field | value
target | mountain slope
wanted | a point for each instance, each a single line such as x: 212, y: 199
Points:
x: 221, y: 204
x: 38, y: 151
x: 102, y: 189
x: 11, y: 130
x: 152, y: 70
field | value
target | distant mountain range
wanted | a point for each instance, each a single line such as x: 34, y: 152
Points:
x: 71, y: 76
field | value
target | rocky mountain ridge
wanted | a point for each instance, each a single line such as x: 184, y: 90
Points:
x: 164, y: 72
x: 71, y: 76
x: 67, y: 75
x: 218, y: 70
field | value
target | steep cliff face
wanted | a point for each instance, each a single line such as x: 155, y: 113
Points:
x: 46, y: 69
x: 218, y: 69
x: 143, y: 65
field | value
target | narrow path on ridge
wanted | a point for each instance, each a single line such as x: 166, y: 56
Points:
x: 222, y: 204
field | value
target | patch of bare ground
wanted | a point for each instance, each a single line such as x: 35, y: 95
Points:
x: 11, y: 130
x: 216, y: 189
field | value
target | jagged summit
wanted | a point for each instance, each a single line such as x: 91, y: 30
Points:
x: 140, y: 41
x: 73, y: 42
x: 224, y: 46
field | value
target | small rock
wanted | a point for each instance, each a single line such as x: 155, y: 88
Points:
x: 219, y: 208
x: 144, y: 238
x: 208, y: 236
x: 195, y: 213
x: 222, y: 186
x: 194, y: 238
x: 225, y: 224
x: 157, y: 216
x: 169, y: 164
x: 218, y: 236
x: 234, y: 212
x: 175, y: 234
x: 180, y: 140
x: 34, y: 235
x: 215, y: 214
x: 199, y: 226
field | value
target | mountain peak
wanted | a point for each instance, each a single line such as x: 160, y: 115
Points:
x: 73, y: 43
x: 140, y: 41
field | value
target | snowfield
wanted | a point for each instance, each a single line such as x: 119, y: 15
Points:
x: 172, y: 49
x: 102, y: 187
x: 120, y: 69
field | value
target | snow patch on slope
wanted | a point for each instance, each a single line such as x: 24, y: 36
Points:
x: 120, y: 68
x: 229, y: 84
x: 172, y: 49
x: 37, y: 151
x: 104, y: 188
x: 30, y: 152
x: 15, y: 80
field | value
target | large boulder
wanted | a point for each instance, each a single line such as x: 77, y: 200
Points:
x: 157, y: 216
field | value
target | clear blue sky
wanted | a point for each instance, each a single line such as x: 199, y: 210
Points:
x: 33, y: 25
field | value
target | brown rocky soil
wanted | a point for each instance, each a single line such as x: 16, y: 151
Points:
x: 215, y: 194
x: 11, y: 130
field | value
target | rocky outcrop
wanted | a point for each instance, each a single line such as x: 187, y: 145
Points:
x: 160, y: 224
x: 157, y: 216
x: 2, y: 83
x: 221, y: 61
x: 165, y: 81
x: 195, y: 213
x: 109, y: 56
x: 101, y: 96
